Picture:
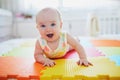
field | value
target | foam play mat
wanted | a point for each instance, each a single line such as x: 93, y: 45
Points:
x: 17, y: 62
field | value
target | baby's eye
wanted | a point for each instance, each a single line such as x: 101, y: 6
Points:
x: 43, y: 26
x: 53, y: 24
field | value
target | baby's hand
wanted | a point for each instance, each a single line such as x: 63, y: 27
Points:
x: 84, y: 62
x: 48, y: 62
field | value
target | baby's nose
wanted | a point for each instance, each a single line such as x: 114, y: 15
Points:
x: 48, y: 28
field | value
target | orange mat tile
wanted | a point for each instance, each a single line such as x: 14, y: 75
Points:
x: 19, y: 68
x: 106, y: 43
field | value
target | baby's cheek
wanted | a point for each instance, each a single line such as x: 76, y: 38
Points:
x: 42, y: 34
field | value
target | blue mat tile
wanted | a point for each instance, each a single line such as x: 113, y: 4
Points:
x: 115, y: 58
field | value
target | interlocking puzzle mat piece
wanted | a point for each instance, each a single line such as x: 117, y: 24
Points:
x: 86, y: 43
x: 29, y: 43
x: 19, y: 68
x: 7, y: 46
x: 106, y: 43
x: 115, y: 58
x: 21, y: 52
x: 67, y: 69
x: 29, y: 52
x: 99, y: 68
x: 26, y: 68
x: 108, y: 51
x: 90, y: 52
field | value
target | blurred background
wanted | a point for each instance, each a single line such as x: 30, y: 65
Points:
x: 84, y: 18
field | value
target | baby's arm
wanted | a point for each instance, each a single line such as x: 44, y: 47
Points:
x: 76, y: 45
x: 38, y: 55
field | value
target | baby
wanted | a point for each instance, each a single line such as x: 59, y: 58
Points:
x: 53, y: 43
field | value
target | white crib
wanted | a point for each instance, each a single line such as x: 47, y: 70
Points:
x: 108, y: 25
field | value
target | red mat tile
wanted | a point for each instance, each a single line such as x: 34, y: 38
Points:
x: 20, y: 68
x: 90, y: 52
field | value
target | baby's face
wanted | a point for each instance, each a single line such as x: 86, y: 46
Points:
x: 49, y: 25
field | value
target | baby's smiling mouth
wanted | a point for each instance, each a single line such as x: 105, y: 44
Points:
x: 50, y: 35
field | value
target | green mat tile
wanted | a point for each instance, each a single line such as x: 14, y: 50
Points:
x: 21, y: 52
x: 108, y: 51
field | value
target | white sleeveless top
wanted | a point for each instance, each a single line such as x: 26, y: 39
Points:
x: 61, y: 49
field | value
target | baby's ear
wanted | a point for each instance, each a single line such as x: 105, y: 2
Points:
x: 36, y: 26
x: 61, y: 24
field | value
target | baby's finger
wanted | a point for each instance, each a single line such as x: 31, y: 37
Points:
x: 52, y: 64
x: 79, y: 63
x: 85, y: 64
x: 44, y: 64
x: 90, y: 63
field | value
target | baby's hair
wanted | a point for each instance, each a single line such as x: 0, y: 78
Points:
x: 46, y: 9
